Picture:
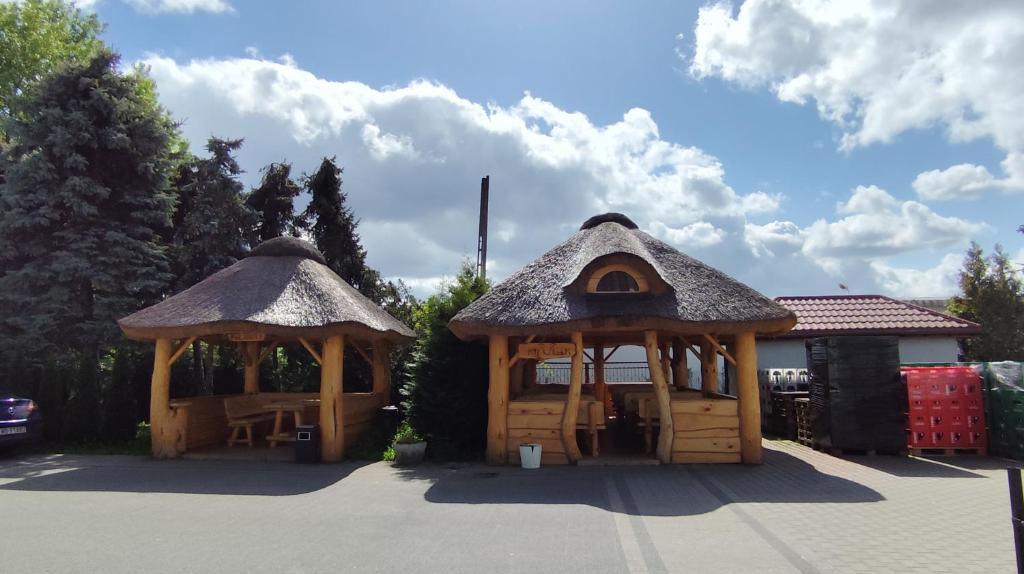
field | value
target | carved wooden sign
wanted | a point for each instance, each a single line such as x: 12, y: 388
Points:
x: 246, y: 337
x: 544, y: 351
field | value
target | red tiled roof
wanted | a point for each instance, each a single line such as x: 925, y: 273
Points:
x: 870, y: 314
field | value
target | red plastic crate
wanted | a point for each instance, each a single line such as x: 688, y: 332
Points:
x: 946, y: 409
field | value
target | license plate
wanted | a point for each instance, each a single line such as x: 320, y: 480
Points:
x: 13, y: 430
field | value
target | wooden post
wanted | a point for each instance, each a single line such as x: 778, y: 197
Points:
x: 666, y: 433
x: 600, y: 387
x: 680, y: 372
x: 332, y: 420
x: 497, y: 401
x: 749, y: 401
x: 163, y: 429
x: 382, y: 371
x: 572, y: 401
x: 666, y: 362
x: 251, y: 354
x: 530, y: 374
x: 708, y: 368
x: 515, y: 376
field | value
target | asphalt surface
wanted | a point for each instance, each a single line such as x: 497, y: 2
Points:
x: 801, y: 511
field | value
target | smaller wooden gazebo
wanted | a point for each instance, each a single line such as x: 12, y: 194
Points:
x: 609, y: 285
x: 282, y: 292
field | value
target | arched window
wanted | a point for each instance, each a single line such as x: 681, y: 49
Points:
x: 617, y: 278
x: 617, y: 282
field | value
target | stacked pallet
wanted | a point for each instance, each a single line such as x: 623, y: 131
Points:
x: 946, y: 410
x: 1004, y: 384
x: 783, y: 418
x: 802, y: 410
x: 856, y: 394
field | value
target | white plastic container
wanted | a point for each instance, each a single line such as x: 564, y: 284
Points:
x: 529, y: 455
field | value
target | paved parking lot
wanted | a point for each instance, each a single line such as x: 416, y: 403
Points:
x: 802, y: 511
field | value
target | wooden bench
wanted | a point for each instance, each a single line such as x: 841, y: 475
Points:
x: 245, y: 412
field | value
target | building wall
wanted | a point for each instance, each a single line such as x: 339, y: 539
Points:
x: 791, y: 353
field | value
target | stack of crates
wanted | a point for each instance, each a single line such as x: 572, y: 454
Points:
x: 802, y: 409
x: 1005, y: 389
x: 946, y: 409
x: 784, y: 421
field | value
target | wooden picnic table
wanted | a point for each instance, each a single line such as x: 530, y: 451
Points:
x: 296, y: 407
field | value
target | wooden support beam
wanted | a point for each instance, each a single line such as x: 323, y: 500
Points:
x: 382, y: 370
x: 587, y: 355
x: 612, y: 352
x: 693, y: 348
x: 666, y: 363
x: 497, y: 400
x: 529, y: 373
x: 267, y: 350
x: 516, y: 357
x: 719, y: 348
x: 680, y: 372
x: 180, y: 351
x: 666, y: 433
x: 332, y: 380
x: 251, y: 353
x: 572, y: 401
x: 600, y: 387
x: 362, y: 353
x: 312, y: 351
x: 749, y: 401
x: 708, y: 368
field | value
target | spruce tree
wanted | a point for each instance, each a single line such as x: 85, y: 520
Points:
x: 81, y: 212
x: 446, y: 392
x: 991, y: 294
x: 273, y: 202
x: 332, y: 225
x: 213, y: 227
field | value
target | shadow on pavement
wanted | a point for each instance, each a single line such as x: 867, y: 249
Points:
x: 642, y: 490
x: 938, y: 467
x: 69, y: 473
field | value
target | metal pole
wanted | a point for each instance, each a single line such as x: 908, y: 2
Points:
x: 481, y: 246
x: 1016, y: 514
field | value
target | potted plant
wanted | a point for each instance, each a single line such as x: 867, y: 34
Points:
x: 409, y: 445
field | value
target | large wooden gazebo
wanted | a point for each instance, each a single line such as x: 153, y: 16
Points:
x: 282, y: 292
x: 609, y: 285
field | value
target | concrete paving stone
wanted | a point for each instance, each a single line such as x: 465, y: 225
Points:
x: 801, y: 511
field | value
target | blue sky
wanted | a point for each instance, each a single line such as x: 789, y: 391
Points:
x: 706, y: 81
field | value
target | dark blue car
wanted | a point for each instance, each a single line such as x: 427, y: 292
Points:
x: 20, y: 420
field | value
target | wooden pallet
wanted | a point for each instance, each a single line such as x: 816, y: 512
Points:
x: 940, y: 451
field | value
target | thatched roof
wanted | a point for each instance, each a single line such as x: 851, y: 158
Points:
x: 689, y: 296
x: 283, y: 289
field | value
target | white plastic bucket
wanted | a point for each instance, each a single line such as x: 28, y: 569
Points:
x: 529, y: 455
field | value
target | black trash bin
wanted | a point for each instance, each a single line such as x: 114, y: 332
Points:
x: 307, y: 443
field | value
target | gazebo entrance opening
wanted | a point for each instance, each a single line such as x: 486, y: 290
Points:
x: 550, y: 379
x: 254, y: 418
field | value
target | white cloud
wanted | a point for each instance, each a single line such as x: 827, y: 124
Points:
x: 936, y: 281
x: 413, y: 157
x: 877, y: 225
x: 879, y: 68
x: 180, y: 6
x: 694, y: 235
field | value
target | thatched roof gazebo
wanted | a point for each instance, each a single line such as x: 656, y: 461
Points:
x: 282, y: 292
x: 608, y: 285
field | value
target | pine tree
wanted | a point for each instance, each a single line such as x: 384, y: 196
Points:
x: 991, y: 294
x: 81, y: 212
x: 273, y: 201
